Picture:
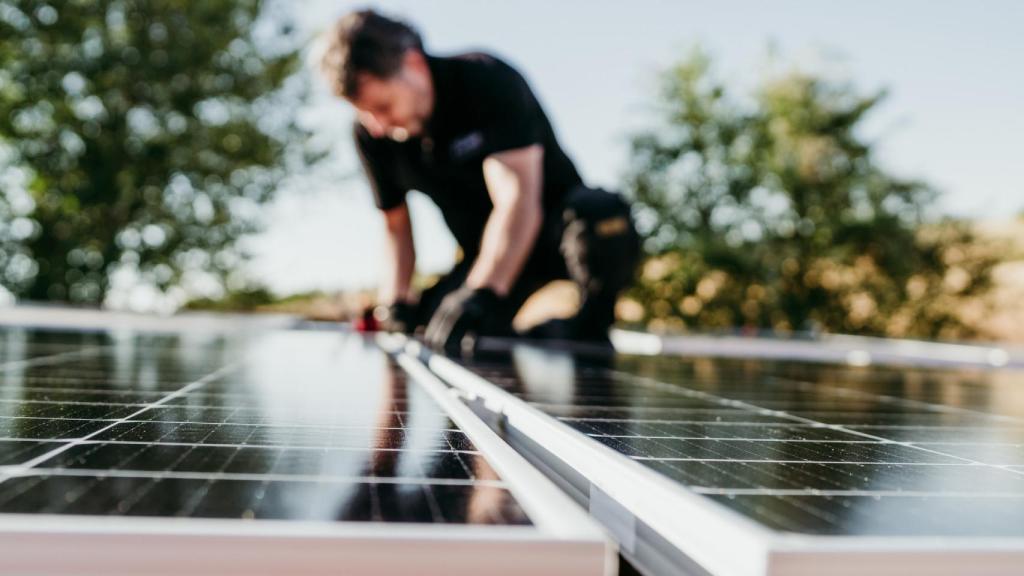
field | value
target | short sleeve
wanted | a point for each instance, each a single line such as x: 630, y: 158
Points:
x: 512, y: 115
x: 378, y: 163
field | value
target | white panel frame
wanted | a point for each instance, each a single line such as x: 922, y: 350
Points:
x: 830, y: 348
x: 68, y: 545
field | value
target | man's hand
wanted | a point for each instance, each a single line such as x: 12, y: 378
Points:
x: 398, y: 317
x: 462, y: 313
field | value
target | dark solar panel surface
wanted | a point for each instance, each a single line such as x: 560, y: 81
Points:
x: 804, y: 448
x: 281, y: 425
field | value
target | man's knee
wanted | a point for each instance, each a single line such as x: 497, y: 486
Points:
x: 600, y: 243
x: 594, y: 204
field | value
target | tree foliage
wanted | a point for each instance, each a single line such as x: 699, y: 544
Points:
x: 772, y: 212
x: 135, y: 135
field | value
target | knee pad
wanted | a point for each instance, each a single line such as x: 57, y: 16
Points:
x: 600, y: 242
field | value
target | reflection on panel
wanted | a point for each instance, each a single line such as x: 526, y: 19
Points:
x: 282, y: 425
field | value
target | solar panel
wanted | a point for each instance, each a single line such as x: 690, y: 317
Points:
x: 771, y: 467
x: 293, y: 451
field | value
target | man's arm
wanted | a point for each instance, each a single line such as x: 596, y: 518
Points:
x: 514, y: 181
x: 401, y: 256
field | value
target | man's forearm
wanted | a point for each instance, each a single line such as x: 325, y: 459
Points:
x: 397, y: 286
x: 400, y: 258
x: 514, y: 183
x: 509, y: 236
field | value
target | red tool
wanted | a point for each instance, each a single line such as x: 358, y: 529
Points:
x: 366, y: 322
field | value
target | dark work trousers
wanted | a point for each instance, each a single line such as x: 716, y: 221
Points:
x: 590, y: 240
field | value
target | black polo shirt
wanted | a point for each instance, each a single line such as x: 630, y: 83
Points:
x: 481, y: 106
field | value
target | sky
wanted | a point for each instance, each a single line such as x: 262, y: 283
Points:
x: 954, y: 115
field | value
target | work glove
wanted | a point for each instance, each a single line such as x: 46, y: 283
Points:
x: 463, y: 313
x: 397, y: 317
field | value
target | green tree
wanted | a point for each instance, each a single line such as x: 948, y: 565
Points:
x: 772, y: 212
x: 136, y: 135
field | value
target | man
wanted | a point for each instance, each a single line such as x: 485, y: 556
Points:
x: 468, y: 132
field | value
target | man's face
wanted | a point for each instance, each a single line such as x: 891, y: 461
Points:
x: 399, y: 106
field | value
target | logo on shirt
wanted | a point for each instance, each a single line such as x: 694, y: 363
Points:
x: 467, y: 145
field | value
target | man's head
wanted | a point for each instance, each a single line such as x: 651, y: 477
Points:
x: 378, y: 65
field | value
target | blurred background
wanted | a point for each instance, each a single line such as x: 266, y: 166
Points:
x: 795, y: 167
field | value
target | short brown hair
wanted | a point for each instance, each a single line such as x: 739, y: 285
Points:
x: 364, y: 42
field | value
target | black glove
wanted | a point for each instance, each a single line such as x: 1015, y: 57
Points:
x: 464, y: 312
x: 398, y: 317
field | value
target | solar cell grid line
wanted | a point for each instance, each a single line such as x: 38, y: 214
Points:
x: 289, y: 446
x: 930, y: 406
x: 921, y: 447
x: 294, y: 460
x: 48, y: 359
x: 198, y: 495
x: 279, y: 424
x: 815, y: 501
x: 733, y: 401
x: 927, y: 406
x: 73, y: 402
x: 35, y: 428
x: 270, y: 477
x: 651, y: 382
x: 96, y: 395
x: 191, y: 386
